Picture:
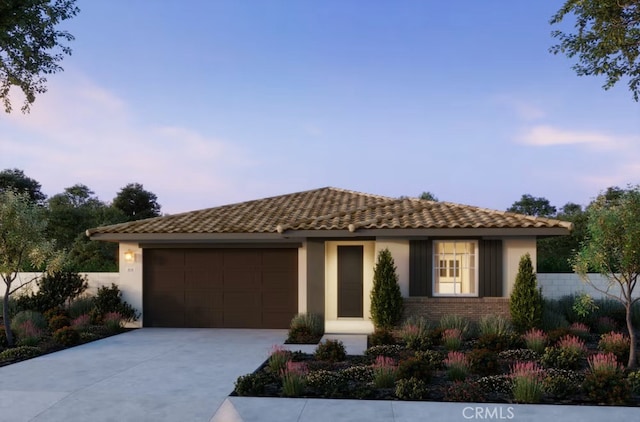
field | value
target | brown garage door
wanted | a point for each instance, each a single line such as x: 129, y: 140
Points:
x: 229, y: 288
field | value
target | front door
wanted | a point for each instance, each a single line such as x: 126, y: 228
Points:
x: 350, y: 281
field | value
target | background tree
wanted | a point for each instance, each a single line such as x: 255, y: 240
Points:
x: 428, y: 196
x: 386, y: 299
x: 23, y: 245
x: 16, y: 180
x: 555, y: 253
x: 70, y: 214
x: 606, y: 39
x: 530, y: 205
x: 525, y: 303
x: 612, y: 248
x: 30, y: 45
x: 137, y: 203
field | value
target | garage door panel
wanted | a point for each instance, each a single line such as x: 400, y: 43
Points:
x: 241, y: 258
x: 241, y: 279
x: 234, y: 288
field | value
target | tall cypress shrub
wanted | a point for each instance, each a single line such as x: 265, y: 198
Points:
x: 386, y: 299
x: 525, y: 303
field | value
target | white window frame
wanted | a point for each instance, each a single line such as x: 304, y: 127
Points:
x: 452, y: 269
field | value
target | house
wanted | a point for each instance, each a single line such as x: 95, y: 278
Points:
x: 257, y: 263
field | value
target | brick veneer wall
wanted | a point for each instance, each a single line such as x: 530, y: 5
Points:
x: 472, y: 308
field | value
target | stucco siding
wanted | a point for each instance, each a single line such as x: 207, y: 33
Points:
x: 513, y: 250
x: 400, y: 252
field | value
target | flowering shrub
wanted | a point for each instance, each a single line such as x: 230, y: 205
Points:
x: 20, y: 352
x: 452, y: 338
x: 604, y: 363
x: 415, y: 335
x: 293, y: 378
x: 29, y: 334
x: 384, y: 372
x: 464, y: 391
x: 579, y: 329
x: 634, y: 381
x: 390, y: 350
x: 615, y: 343
x: 82, y: 322
x: 58, y: 321
x: 457, y: 365
x: 278, y: 359
x: 528, y: 383
x: 412, y: 389
x: 536, y: 340
x: 605, y: 382
x: 562, y: 383
x: 112, y: 321
x: 518, y: 354
x: 496, y: 384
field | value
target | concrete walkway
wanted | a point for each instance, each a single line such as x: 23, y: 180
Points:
x: 186, y: 375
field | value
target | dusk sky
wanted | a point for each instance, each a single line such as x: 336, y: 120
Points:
x: 213, y: 102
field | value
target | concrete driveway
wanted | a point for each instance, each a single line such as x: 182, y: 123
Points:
x: 143, y: 375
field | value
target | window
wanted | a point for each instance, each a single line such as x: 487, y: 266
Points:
x: 455, y: 268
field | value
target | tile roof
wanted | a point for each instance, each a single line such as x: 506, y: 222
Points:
x: 329, y: 209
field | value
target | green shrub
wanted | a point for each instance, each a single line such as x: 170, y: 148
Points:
x: 81, y: 306
x: 414, y: 367
x: 415, y: 334
x: 634, y: 381
x: 278, y: 359
x: 112, y: 322
x: 54, y: 290
x: 562, y: 383
x: 35, y: 317
x: 494, y: 342
x: 616, y: 343
x: 28, y: 334
x: 605, y: 324
x: 502, y: 384
x: 607, y: 387
x: 3, y: 336
x: 20, y: 352
x: 552, y: 320
x: 412, y: 389
x: 331, y: 350
x: 54, y: 312
x: 386, y: 299
x: 494, y: 325
x: 384, y: 372
x: 557, y: 334
x: 389, y: 350
x: 465, y: 392
x: 380, y: 337
x: 483, y: 361
x: 528, y: 385
x: 253, y: 384
x: 433, y: 358
x: 613, y: 309
x: 525, y: 303
x: 57, y: 322
x: 305, y: 328
x: 449, y: 322
x: 561, y: 358
x: 584, y: 307
x: 66, y: 336
x: 13, y: 307
x: 109, y: 299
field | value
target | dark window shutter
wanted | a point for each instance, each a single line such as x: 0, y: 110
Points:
x: 490, y: 271
x: 420, y: 267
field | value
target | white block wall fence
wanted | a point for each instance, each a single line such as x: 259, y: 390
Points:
x: 554, y: 285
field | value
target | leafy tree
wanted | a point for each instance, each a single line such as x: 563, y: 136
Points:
x: 22, y: 245
x: 555, y: 254
x: 530, y: 205
x: 428, y: 196
x: 137, y: 203
x: 70, y: 214
x: 525, y: 303
x: 386, y: 299
x: 612, y: 248
x: 54, y: 290
x: 30, y: 45
x: 16, y: 180
x: 606, y: 41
